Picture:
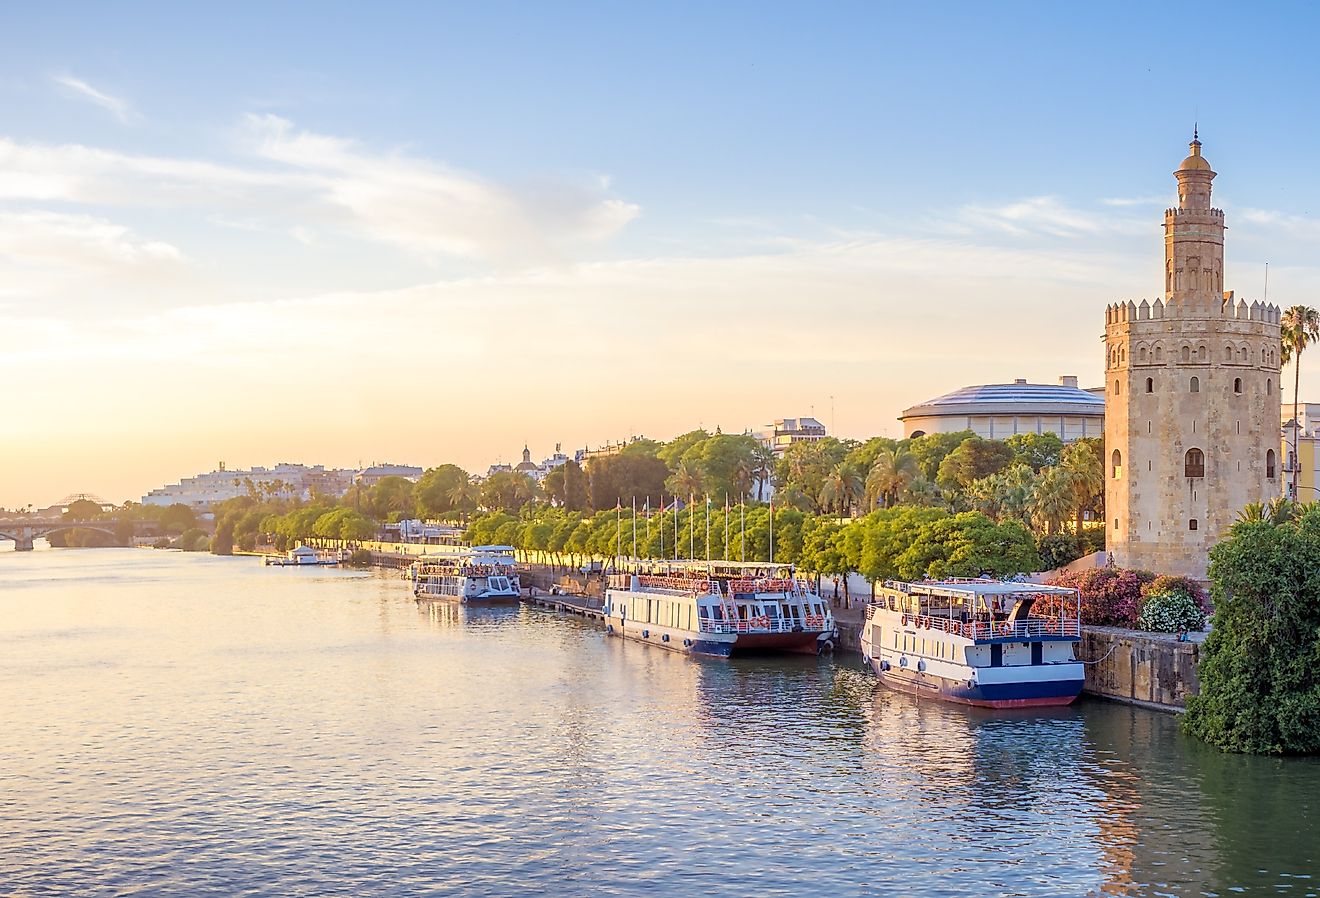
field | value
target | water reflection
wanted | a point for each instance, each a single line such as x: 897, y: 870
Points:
x: 176, y: 725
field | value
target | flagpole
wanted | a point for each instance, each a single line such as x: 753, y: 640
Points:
x: 742, y: 529
x: 726, y: 526
x: 618, y: 531
x: 648, y: 523
x: 662, y: 527
x: 708, y: 532
x: 634, y: 519
x: 676, y: 527
x: 692, y: 527
x: 772, y: 529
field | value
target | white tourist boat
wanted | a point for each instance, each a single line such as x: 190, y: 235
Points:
x: 303, y: 556
x: 718, y: 608
x: 480, y: 575
x: 976, y: 642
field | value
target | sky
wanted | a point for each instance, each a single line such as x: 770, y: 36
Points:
x: 426, y: 233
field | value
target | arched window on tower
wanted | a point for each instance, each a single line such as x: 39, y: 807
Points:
x: 1269, y: 386
x: 1201, y: 354
x: 1141, y: 353
x: 1186, y: 353
x: 1159, y: 353
x: 1116, y: 460
x: 1116, y: 389
x: 1194, y: 463
x: 1269, y: 463
x: 1150, y: 385
x: 1237, y: 385
x: 1196, y: 384
x: 1228, y: 353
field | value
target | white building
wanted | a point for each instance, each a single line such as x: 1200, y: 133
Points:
x: 284, y: 481
x: 369, y: 477
x: 787, y: 431
x: 998, y: 411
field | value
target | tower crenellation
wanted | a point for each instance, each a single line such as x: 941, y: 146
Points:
x: 1192, y: 408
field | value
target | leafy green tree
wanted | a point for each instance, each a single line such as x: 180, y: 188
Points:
x: 1260, y: 667
x: 931, y: 449
x: 1052, y: 499
x: 673, y: 451
x: 566, y: 486
x: 973, y: 459
x: 763, y: 469
x: 1035, y: 450
x: 392, y: 498
x: 966, y: 545
x: 507, y: 491
x: 436, y: 489
x: 177, y: 518
x: 801, y: 472
x: 618, y: 479
x: 82, y: 510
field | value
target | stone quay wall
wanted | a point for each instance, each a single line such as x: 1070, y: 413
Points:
x: 1154, y: 670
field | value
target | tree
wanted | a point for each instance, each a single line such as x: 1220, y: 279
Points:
x: 391, y: 498
x: 967, y: 545
x: 1082, y: 463
x: 763, y: 468
x: 843, y: 487
x: 83, y: 510
x: 1053, y: 499
x: 1260, y: 666
x: 686, y: 480
x: 1300, y: 326
x: 436, y: 489
x: 507, y: 490
x: 177, y: 518
x: 464, y: 495
x: 1036, y: 450
x: 892, y: 472
x: 973, y: 459
x: 930, y: 450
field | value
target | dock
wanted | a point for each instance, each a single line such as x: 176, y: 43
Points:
x: 565, y: 603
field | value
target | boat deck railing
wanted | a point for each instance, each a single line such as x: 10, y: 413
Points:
x: 1033, y: 626
x: 766, y: 624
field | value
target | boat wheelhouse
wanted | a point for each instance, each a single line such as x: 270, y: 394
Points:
x: 977, y: 642
x: 481, y: 575
x: 718, y: 608
x: 302, y: 556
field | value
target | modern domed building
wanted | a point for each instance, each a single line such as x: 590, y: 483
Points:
x: 998, y: 411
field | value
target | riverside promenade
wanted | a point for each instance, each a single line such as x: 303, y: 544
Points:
x: 1152, y: 670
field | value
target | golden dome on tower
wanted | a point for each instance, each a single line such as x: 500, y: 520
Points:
x: 1194, y: 162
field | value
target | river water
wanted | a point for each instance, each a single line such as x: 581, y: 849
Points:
x: 188, y: 725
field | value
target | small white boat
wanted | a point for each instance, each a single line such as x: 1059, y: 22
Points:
x: 481, y: 575
x: 977, y: 642
x: 303, y: 556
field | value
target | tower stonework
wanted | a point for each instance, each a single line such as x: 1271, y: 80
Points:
x: 1191, y: 398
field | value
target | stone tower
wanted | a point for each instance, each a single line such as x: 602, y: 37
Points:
x: 1191, y: 398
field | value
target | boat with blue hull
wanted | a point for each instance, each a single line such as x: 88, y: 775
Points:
x: 989, y: 643
x: 718, y: 608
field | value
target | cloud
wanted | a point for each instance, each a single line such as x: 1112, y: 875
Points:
x: 1157, y: 201
x: 298, y: 182
x: 85, y: 91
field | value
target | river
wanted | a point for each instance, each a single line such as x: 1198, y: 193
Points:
x: 177, y: 724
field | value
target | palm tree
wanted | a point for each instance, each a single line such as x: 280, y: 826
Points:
x: 841, y: 489
x: 687, y: 479
x: 1301, y: 328
x: 1053, y: 498
x: 1081, y: 463
x: 465, y: 495
x: 763, y: 466
x: 744, y: 472
x: 893, y: 471
x: 1279, y: 510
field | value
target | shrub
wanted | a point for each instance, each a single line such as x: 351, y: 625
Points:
x: 1260, y: 666
x: 1170, y: 612
x: 1058, y: 549
x: 1111, y: 597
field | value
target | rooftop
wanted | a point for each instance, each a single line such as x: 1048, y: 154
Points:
x: 1015, y: 398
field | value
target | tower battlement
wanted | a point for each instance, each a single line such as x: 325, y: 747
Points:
x: 1226, y: 308
x: 1173, y: 212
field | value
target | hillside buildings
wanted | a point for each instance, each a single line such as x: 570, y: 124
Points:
x: 998, y: 411
x: 1191, y: 433
x: 284, y: 481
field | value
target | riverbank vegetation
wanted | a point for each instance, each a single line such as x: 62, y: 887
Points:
x: 1260, y: 666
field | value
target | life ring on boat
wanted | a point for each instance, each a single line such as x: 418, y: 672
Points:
x: 664, y: 637
x: 646, y: 634
x: 884, y: 665
x: 824, y: 647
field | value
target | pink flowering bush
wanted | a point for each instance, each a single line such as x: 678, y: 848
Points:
x: 1111, y: 597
